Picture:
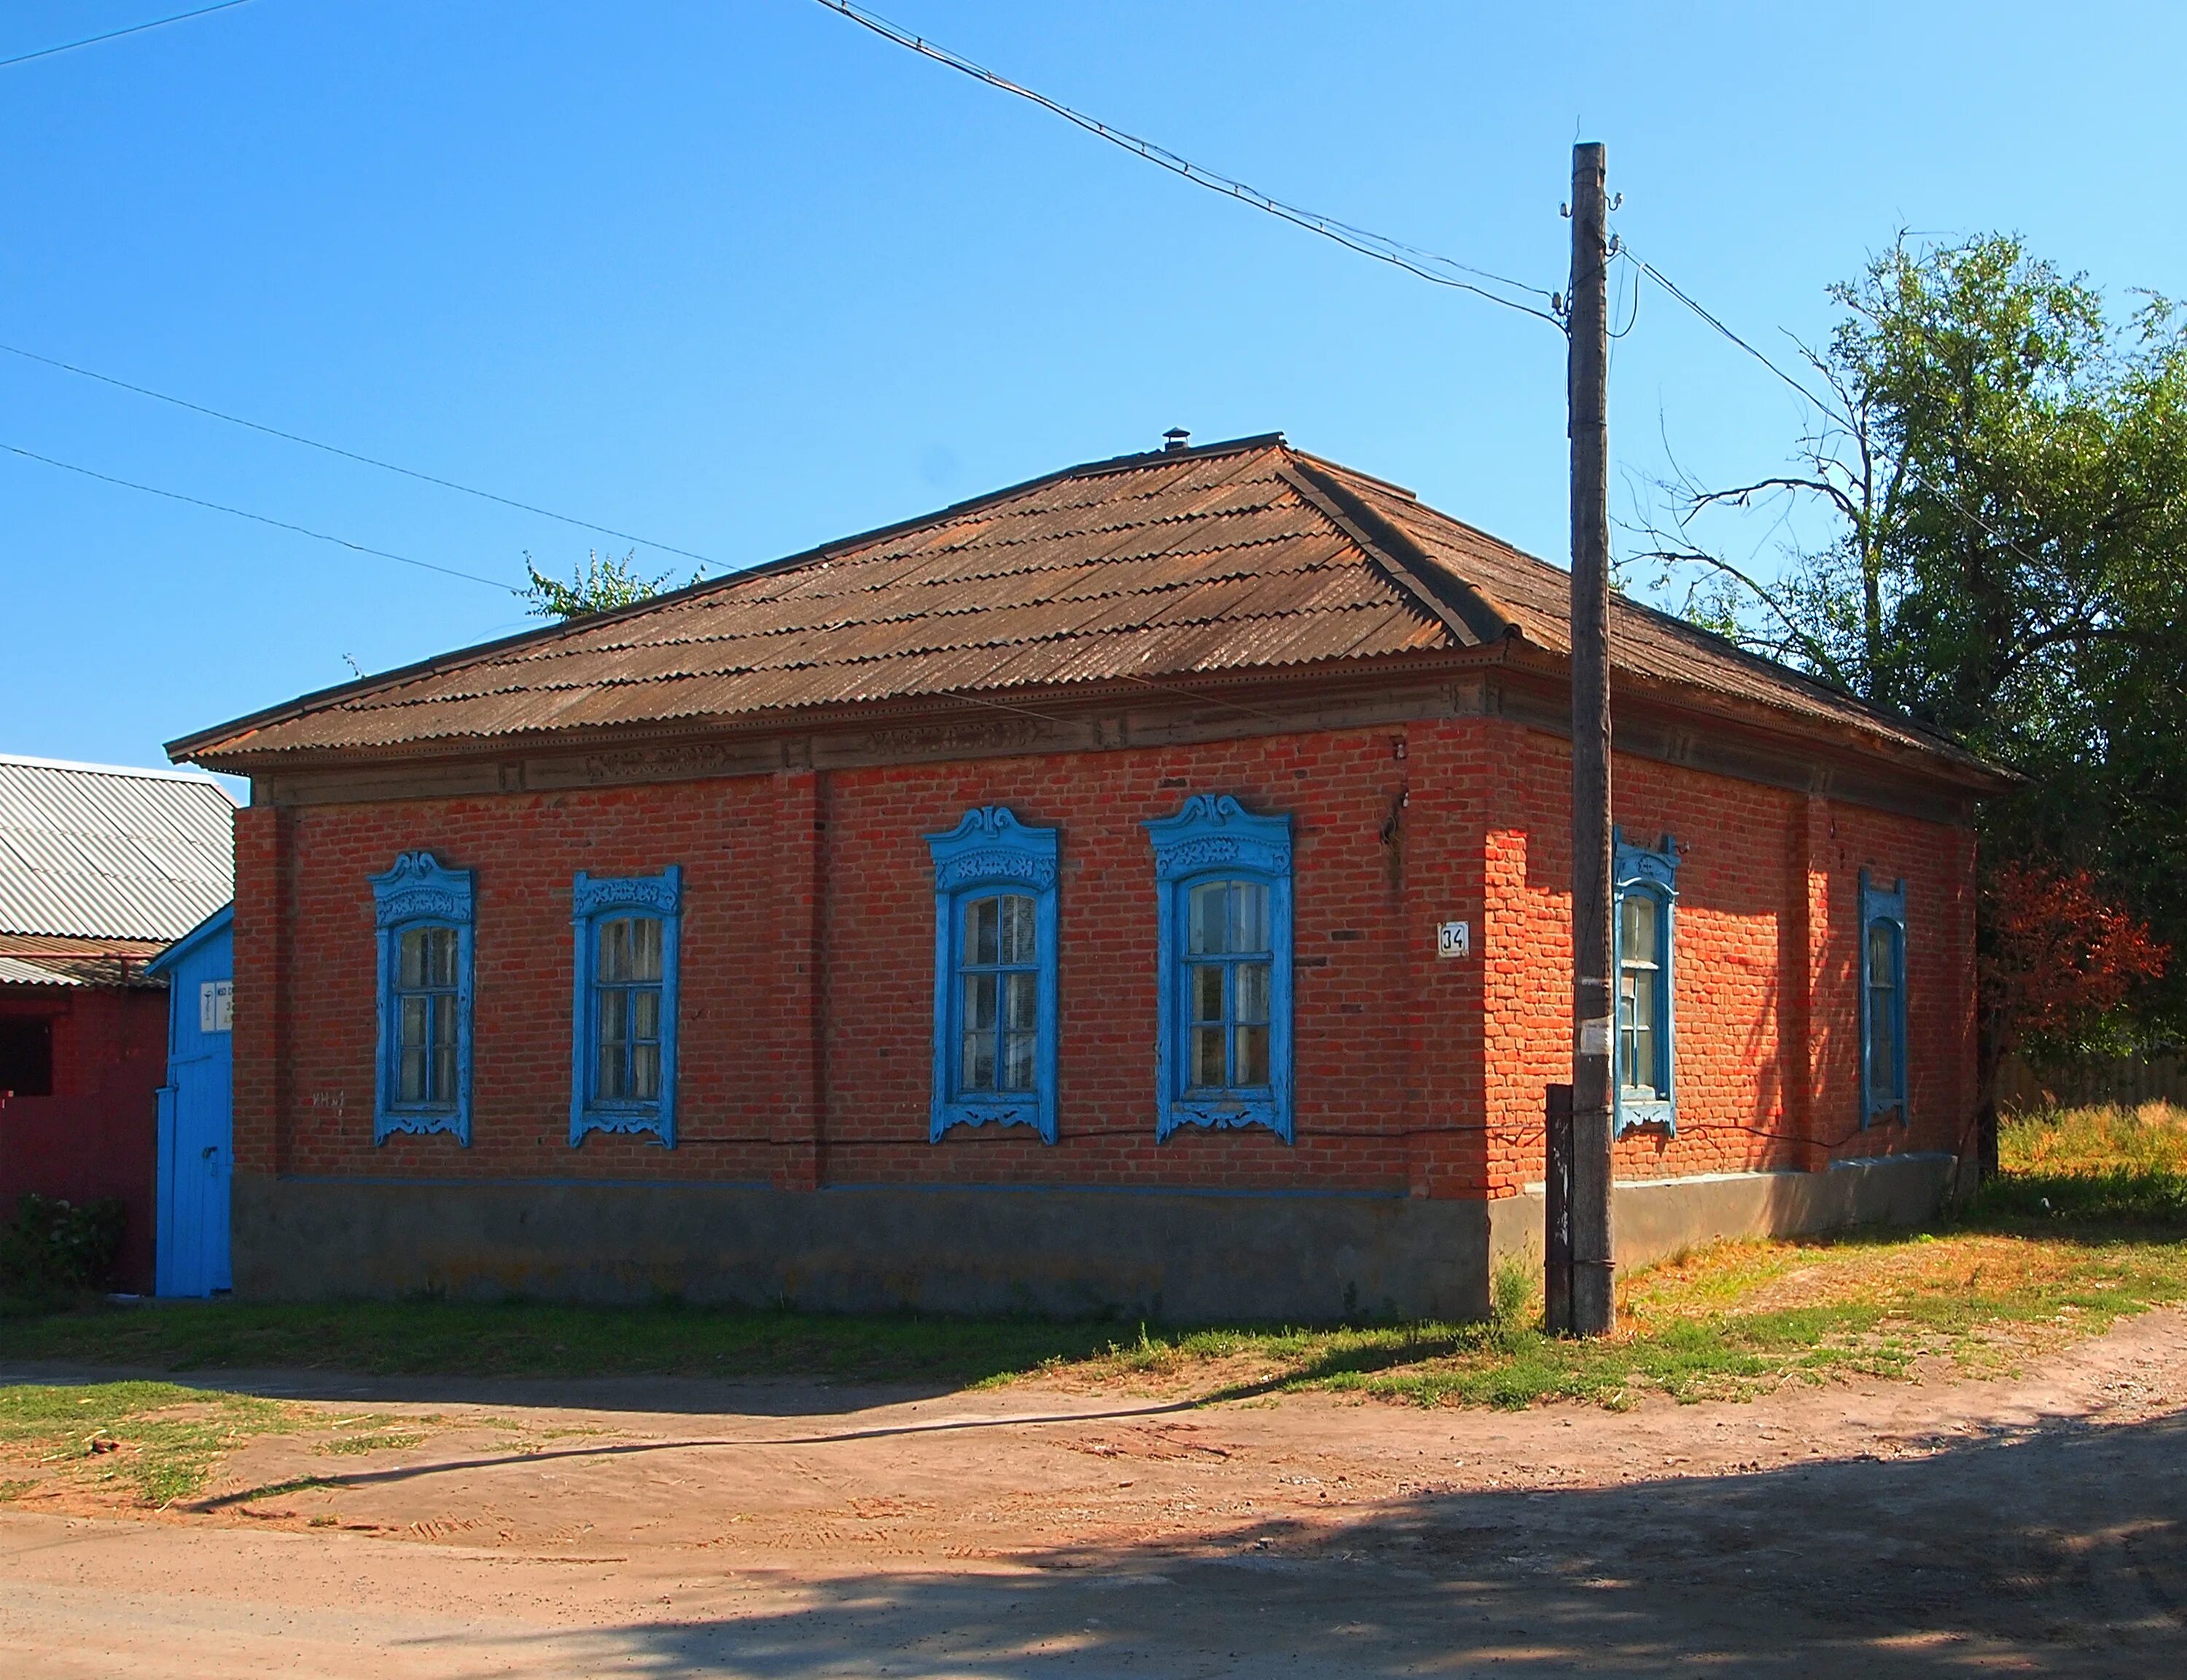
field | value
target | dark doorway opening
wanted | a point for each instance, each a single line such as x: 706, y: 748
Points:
x: 26, y: 1055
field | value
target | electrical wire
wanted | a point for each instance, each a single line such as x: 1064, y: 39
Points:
x: 116, y: 34
x: 256, y: 518
x: 1429, y: 266
x: 352, y: 455
x: 1912, y: 474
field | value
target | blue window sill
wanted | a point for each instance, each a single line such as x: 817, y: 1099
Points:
x: 1225, y: 1113
x: 626, y: 1121
x: 419, y: 1122
x: 1023, y: 1110
x: 1638, y: 1110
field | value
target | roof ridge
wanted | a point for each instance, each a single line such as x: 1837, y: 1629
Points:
x: 150, y: 773
x: 1467, y: 610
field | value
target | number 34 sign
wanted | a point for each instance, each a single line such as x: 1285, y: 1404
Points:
x: 1454, y: 939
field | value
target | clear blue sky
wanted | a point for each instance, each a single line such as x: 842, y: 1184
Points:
x: 743, y: 278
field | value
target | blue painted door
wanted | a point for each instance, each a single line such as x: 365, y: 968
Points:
x: 194, y: 1135
x: 194, y: 1131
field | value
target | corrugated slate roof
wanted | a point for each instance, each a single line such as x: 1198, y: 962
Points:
x: 1235, y: 557
x: 91, y: 851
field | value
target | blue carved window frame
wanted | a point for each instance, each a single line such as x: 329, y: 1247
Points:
x: 1883, y: 907
x: 1637, y: 871
x: 1213, y: 838
x: 991, y: 854
x: 594, y: 902
x: 419, y: 893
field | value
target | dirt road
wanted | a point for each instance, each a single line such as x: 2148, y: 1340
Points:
x: 2031, y: 1525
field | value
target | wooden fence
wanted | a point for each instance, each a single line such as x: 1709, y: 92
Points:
x: 2128, y: 1083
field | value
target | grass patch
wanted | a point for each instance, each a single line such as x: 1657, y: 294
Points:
x: 387, y: 1441
x: 2087, y: 1223
x: 158, y: 1441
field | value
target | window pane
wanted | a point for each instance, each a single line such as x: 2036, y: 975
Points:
x: 1205, y: 981
x: 1249, y: 917
x: 414, y: 1013
x: 645, y: 949
x: 1252, y: 1055
x: 615, y: 1019
x: 1252, y: 983
x: 1881, y: 952
x: 1206, y: 915
x: 440, y: 957
x: 1637, y: 1009
x: 979, y: 1001
x: 645, y: 1014
x: 645, y: 1072
x: 1638, y: 941
x: 1882, y: 1045
x: 615, y: 951
x: 983, y: 930
x: 1207, y: 1061
x: 1017, y: 939
x: 444, y: 1022
x: 444, y: 1074
x: 978, y: 1073
x: 410, y: 1078
x: 1017, y: 1061
x: 1020, y: 999
x: 613, y: 1070
x: 410, y: 963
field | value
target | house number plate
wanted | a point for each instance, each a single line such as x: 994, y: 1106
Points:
x: 1454, y: 939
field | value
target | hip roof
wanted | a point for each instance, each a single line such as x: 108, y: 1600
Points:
x: 1235, y: 557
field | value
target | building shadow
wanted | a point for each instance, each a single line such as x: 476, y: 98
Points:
x: 2062, y: 1550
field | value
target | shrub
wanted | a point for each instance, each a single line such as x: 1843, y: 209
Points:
x: 57, y: 1245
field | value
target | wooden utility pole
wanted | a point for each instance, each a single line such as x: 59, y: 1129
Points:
x: 1592, y: 1297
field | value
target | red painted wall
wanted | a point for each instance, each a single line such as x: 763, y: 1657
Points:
x: 807, y: 953
x: 98, y: 1134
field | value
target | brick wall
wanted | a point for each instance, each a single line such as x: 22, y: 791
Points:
x: 1767, y: 968
x: 807, y: 957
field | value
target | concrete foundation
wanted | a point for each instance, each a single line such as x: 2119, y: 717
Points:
x: 1172, y: 1256
x: 1653, y: 1218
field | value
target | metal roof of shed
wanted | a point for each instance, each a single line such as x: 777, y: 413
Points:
x: 110, y: 851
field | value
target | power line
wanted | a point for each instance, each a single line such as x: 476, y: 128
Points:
x: 256, y: 518
x: 352, y: 455
x: 116, y: 34
x: 1436, y: 269
x: 1913, y: 473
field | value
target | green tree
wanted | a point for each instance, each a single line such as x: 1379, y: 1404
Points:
x: 2000, y: 468
x: 602, y: 584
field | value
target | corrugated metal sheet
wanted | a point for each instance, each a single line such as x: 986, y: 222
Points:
x: 92, y: 851
x: 1236, y: 557
x: 15, y: 971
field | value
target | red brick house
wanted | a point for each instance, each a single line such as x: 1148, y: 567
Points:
x: 1142, y: 888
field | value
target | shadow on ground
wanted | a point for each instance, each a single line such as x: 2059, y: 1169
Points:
x: 2062, y: 1550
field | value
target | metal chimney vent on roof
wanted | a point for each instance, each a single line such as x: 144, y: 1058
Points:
x: 1175, y: 438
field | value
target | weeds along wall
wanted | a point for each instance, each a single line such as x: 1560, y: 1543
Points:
x: 807, y: 955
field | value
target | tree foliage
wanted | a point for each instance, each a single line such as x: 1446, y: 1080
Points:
x: 2059, y: 961
x: 2000, y: 466
x: 602, y: 584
